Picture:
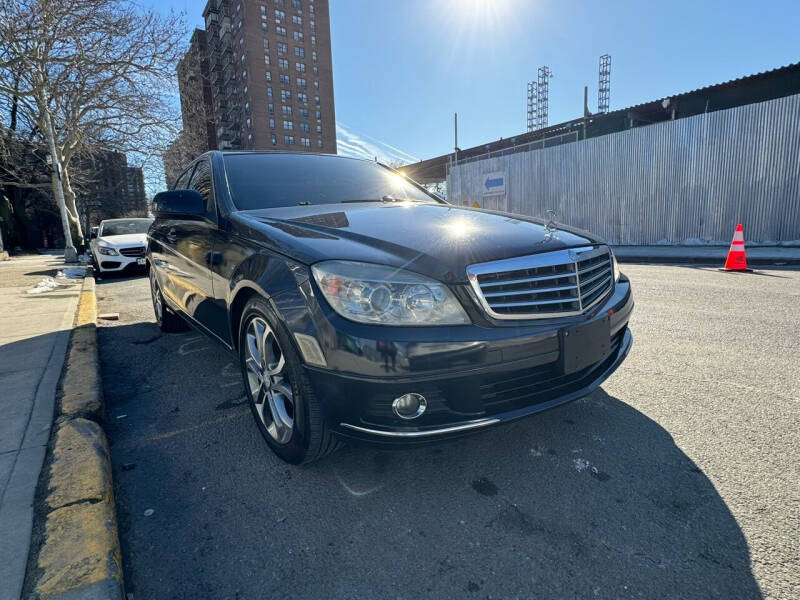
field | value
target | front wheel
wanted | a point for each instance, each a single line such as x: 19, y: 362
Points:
x: 287, y: 412
x: 167, y: 320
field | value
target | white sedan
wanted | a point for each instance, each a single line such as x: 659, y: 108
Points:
x: 119, y: 244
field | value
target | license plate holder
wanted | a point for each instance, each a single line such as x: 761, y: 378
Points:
x: 141, y: 261
x: 585, y: 344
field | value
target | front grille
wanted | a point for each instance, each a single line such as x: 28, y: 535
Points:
x: 551, y: 284
x: 137, y: 251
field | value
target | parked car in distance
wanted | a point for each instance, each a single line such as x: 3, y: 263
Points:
x: 362, y: 307
x: 119, y: 245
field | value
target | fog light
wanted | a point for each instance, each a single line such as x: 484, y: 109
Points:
x: 409, y: 406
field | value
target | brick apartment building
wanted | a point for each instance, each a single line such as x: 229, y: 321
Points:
x: 268, y: 68
x: 271, y: 74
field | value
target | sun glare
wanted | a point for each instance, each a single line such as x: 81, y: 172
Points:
x: 479, y: 13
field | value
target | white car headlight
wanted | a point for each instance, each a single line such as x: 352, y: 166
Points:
x: 370, y: 293
x: 107, y: 250
x: 615, y: 264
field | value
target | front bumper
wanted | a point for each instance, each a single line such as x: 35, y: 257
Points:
x: 480, y: 377
x: 119, y: 263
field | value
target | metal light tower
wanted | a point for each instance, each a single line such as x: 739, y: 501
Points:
x: 542, y: 96
x: 531, y: 106
x: 604, y: 84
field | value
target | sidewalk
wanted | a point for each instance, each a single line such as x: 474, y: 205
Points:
x: 34, y: 332
x: 710, y: 255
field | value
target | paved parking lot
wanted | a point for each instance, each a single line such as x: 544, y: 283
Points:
x: 678, y: 479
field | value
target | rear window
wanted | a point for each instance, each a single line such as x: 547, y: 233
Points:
x: 274, y: 180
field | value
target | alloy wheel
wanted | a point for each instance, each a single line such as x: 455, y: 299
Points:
x: 158, y: 304
x: 270, y: 389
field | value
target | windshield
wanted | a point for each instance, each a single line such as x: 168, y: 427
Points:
x: 125, y: 227
x: 273, y: 180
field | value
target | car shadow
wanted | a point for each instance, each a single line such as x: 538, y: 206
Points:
x: 592, y: 499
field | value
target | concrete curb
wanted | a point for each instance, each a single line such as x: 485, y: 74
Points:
x: 76, y: 552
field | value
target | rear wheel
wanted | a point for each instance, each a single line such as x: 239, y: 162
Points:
x: 167, y: 320
x: 285, y: 408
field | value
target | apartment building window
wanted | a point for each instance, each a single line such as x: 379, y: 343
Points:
x: 287, y: 110
x: 298, y: 36
x: 297, y: 20
x: 280, y: 30
x: 305, y: 142
x: 244, y: 74
x: 286, y: 95
x: 313, y: 25
x: 299, y: 52
x: 311, y: 7
x: 285, y: 80
x: 238, y: 25
x: 264, y: 23
x: 238, y: 7
x: 316, y: 100
x: 319, y: 129
x: 300, y: 67
x: 319, y: 115
x: 266, y: 59
x: 313, y: 40
x: 302, y: 97
x: 319, y: 143
x: 272, y: 123
x: 288, y: 125
x: 247, y: 107
x: 288, y: 140
x: 242, y: 59
x: 266, y: 44
x: 305, y: 128
x: 248, y: 123
x: 263, y: 9
x: 282, y: 48
x: 297, y: 4
x: 280, y: 16
x: 269, y: 75
x: 283, y: 63
x: 269, y: 91
x: 271, y: 108
x: 301, y: 83
x: 304, y: 113
x: 250, y: 137
x: 244, y: 91
x: 315, y: 70
x: 241, y: 41
x: 274, y: 139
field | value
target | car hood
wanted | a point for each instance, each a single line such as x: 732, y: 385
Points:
x: 438, y: 240
x: 127, y: 239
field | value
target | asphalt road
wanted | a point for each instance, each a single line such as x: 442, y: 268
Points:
x: 679, y: 479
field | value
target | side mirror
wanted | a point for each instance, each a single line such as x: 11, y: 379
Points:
x: 179, y: 204
x: 93, y: 233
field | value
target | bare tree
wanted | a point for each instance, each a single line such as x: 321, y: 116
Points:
x: 90, y: 74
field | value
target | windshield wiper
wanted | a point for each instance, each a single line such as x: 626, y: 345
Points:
x: 382, y: 199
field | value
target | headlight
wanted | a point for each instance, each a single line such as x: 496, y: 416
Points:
x: 370, y: 293
x: 107, y: 251
x: 615, y: 264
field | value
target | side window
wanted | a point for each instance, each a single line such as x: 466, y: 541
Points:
x: 201, y: 182
x: 182, y: 181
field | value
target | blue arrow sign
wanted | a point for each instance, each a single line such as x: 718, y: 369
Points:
x: 494, y: 183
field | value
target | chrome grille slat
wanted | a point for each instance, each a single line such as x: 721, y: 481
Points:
x: 526, y: 280
x: 532, y: 291
x: 585, y: 274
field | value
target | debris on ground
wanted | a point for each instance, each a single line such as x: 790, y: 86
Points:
x: 109, y: 316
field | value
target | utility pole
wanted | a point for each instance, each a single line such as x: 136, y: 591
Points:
x: 455, y: 130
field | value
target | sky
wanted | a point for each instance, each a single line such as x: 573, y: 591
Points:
x: 401, y: 68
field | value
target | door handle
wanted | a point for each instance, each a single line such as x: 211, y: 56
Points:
x: 171, y: 236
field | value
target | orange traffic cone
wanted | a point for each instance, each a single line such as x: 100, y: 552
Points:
x: 737, y: 261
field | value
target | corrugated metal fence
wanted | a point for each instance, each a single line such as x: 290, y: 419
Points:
x: 679, y: 181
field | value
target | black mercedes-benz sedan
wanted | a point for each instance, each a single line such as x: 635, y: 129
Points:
x: 363, y: 307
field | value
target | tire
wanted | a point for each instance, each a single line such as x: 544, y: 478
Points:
x: 167, y: 320
x: 287, y: 412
